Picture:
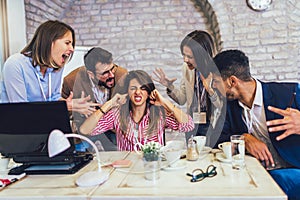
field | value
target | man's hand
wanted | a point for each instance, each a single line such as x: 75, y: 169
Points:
x: 162, y: 79
x: 290, y: 122
x: 258, y: 149
x: 82, y: 105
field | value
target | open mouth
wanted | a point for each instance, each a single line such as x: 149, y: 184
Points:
x: 137, y: 98
x: 110, y: 82
x: 190, y: 65
x: 65, y: 58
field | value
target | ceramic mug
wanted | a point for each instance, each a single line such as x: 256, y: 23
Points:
x: 4, y: 163
x: 226, y: 148
x: 201, y: 140
x: 172, y: 151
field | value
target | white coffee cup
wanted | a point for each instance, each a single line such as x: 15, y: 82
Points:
x: 201, y: 140
x: 4, y: 163
x: 226, y: 148
x: 172, y: 151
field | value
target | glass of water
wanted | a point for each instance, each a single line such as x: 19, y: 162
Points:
x: 238, y: 151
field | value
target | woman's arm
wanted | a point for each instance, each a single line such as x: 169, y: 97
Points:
x: 14, y: 79
x: 91, y: 122
x: 177, y: 94
x: 158, y: 99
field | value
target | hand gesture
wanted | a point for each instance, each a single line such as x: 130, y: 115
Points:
x: 162, y: 79
x: 82, y: 105
x: 156, y: 98
x: 290, y: 122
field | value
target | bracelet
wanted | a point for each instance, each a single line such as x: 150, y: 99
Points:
x: 168, y: 90
x: 102, y: 111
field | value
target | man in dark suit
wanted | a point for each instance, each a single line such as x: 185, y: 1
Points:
x: 247, y: 114
x: 97, y: 79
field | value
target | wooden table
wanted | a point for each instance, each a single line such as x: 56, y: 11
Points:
x: 129, y: 183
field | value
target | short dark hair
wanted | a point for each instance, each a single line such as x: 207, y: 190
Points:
x: 233, y: 63
x: 95, y: 55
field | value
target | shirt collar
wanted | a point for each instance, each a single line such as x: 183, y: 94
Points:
x: 49, y: 69
x: 258, y: 99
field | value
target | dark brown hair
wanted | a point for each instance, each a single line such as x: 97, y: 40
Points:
x: 39, y: 48
x: 155, y: 111
x: 202, y: 46
x: 96, y: 55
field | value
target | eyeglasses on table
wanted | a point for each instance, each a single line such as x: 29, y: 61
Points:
x: 198, y: 174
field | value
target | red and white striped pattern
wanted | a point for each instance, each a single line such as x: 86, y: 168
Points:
x: 126, y: 140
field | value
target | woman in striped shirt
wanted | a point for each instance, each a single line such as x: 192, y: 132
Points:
x: 139, y: 115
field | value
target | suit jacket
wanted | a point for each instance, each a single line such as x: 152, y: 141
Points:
x: 274, y: 94
x: 78, y: 81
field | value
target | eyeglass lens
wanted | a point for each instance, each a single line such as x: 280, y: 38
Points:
x: 112, y: 70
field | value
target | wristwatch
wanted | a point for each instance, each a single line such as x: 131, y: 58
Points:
x: 169, y: 91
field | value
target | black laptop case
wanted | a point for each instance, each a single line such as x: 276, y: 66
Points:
x: 24, y: 132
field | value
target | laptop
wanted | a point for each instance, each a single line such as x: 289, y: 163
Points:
x: 24, y: 132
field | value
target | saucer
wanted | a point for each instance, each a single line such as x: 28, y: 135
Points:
x: 206, y: 150
x: 221, y: 157
x: 202, y: 155
x: 180, y: 164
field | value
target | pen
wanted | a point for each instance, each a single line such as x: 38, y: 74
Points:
x: 292, y: 100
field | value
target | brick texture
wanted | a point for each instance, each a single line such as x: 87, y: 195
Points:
x: 144, y: 34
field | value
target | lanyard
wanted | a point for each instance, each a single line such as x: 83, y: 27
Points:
x: 41, y: 87
x: 201, y: 98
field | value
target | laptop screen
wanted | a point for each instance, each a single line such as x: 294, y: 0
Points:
x: 25, y: 127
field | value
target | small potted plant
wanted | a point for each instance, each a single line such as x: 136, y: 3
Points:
x: 151, y: 151
x: 151, y: 157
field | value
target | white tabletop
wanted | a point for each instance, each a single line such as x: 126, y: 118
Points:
x: 129, y: 183
x: 56, y: 186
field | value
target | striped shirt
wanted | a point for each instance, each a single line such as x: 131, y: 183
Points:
x: 126, y: 139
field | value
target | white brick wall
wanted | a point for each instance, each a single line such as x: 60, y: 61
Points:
x: 147, y: 34
x: 270, y: 38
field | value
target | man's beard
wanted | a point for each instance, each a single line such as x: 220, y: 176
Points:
x: 104, y: 84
